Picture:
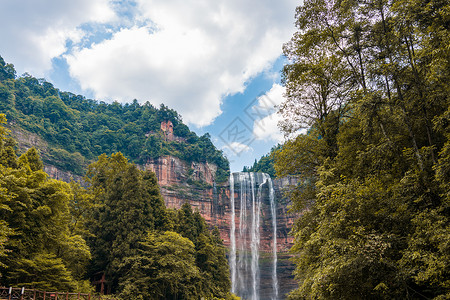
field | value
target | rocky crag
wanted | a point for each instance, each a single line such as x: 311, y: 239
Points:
x: 182, y: 182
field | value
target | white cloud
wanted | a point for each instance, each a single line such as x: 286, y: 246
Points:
x: 189, y: 55
x: 34, y: 32
x: 236, y: 148
x: 201, y: 52
x: 265, y: 126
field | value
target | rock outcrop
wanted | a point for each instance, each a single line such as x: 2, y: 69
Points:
x: 58, y: 174
x: 182, y: 182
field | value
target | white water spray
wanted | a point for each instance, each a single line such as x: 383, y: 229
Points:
x: 245, y: 268
x: 255, y: 238
x: 273, y: 210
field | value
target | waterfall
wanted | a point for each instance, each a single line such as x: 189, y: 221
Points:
x: 245, y: 233
x: 273, y: 210
x: 232, y: 238
x: 255, y: 237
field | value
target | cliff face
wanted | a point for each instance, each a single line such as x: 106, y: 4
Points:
x: 26, y: 140
x: 58, y: 174
x: 182, y: 182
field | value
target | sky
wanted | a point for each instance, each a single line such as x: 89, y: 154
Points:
x: 217, y: 63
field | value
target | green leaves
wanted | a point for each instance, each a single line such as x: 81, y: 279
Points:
x: 170, y: 266
x: 373, y: 171
x: 77, y: 130
x: 134, y: 241
x: 36, y: 247
x: 166, y: 269
x: 43, y: 271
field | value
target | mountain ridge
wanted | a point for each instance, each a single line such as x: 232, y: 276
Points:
x: 72, y: 131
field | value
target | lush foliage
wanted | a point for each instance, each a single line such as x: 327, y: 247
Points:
x: 78, y: 130
x: 57, y: 236
x: 146, y: 250
x: 370, y: 81
x: 37, y: 247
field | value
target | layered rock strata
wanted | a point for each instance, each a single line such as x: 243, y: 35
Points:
x: 182, y: 182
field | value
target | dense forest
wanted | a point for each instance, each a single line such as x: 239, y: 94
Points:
x: 78, y: 130
x: 370, y: 79
x: 59, y: 236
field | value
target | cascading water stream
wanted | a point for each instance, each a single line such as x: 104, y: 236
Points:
x: 255, y: 237
x: 245, y: 239
x: 232, y: 238
x: 273, y: 210
x: 242, y: 261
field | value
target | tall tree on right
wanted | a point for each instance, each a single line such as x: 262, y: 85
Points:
x: 369, y: 79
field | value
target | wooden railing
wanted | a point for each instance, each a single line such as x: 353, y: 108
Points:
x: 31, y: 294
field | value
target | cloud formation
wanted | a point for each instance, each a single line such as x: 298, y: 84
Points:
x: 34, y: 32
x: 266, y: 126
x: 186, y: 54
x: 236, y: 149
x: 201, y: 52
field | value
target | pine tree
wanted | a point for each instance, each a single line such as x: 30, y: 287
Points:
x: 128, y: 204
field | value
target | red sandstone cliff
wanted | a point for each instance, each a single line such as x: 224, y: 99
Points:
x: 194, y: 182
x: 182, y: 182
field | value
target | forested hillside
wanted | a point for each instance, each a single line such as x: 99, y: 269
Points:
x: 371, y: 81
x: 78, y: 130
x: 60, y: 236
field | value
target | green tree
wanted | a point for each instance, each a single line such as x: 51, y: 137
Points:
x: 6, y: 160
x: 265, y: 164
x: 7, y: 71
x: 41, y: 252
x: 127, y: 205
x: 165, y: 269
x: 209, y: 252
x: 371, y: 168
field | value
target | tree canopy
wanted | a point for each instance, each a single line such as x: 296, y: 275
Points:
x: 265, y: 164
x: 60, y: 236
x: 369, y: 79
x: 37, y: 247
x: 78, y: 130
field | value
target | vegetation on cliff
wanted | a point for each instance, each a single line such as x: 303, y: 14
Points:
x: 78, y: 130
x: 370, y: 80
x: 265, y: 164
x: 59, y: 236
